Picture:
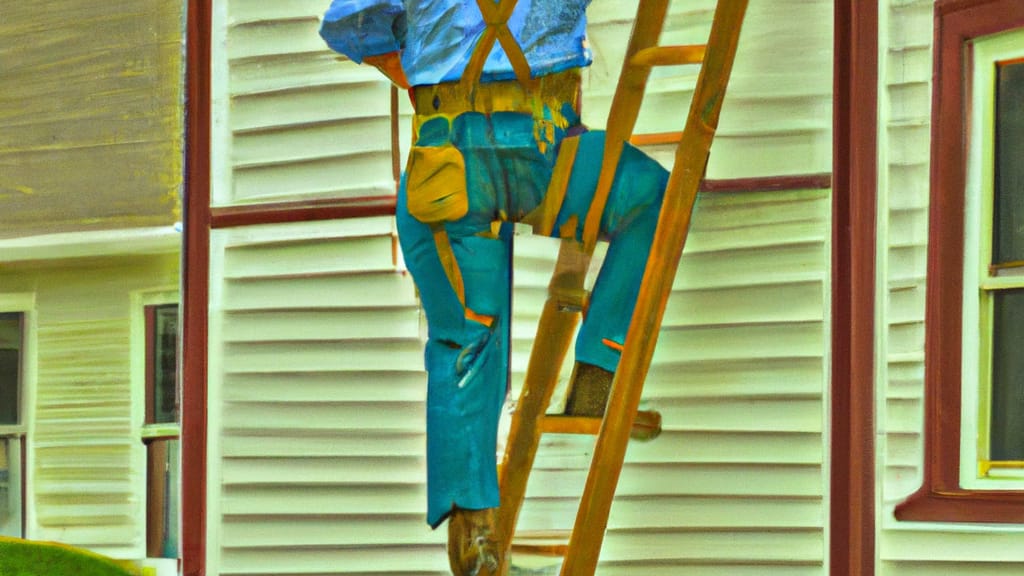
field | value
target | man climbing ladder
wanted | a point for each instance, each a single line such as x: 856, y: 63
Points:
x: 496, y: 87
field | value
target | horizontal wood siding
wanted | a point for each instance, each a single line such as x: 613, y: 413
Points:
x: 83, y: 432
x: 317, y: 403
x: 777, y: 115
x: 910, y: 549
x: 296, y: 120
x: 87, y: 461
x: 316, y: 383
x: 735, y: 484
x: 317, y: 397
x: 300, y: 121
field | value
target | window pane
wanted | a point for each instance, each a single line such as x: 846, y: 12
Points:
x: 165, y: 364
x: 162, y: 499
x: 1007, y: 435
x: 1008, y: 232
x: 10, y: 487
x: 10, y: 370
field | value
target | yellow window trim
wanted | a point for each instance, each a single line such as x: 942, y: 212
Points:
x: 985, y: 467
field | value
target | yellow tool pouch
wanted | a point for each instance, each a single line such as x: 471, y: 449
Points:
x: 436, y: 184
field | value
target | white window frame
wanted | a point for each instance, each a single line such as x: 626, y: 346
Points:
x: 978, y: 282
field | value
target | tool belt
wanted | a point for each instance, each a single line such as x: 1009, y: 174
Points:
x: 454, y: 98
x: 435, y: 175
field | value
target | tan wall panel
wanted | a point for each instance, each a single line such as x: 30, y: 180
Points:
x: 91, y: 133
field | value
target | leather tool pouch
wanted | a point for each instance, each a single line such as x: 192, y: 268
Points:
x: 436, y: 184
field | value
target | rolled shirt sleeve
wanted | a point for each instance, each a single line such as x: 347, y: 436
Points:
x: 361, y: 28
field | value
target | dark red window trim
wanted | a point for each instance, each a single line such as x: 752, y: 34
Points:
x: 332, y: 208
x: 940, y: 498
x: 150, y: 323
x: 156, y: 446
x: 768, y: 183
x: 152, y: 363
x: 24, y: 486
x: 301, y: 211
x: 22, y: 437
x: 156, y: 487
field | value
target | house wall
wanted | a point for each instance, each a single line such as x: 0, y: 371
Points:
x: 316, y: 386
x: 906, y: 548
x: 86, y: 462
x: 92, y: 115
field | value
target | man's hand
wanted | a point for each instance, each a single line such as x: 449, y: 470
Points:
x: 391, y: 65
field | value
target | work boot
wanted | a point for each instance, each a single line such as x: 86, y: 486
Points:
x: 589, y: 389
x: 472, y: 546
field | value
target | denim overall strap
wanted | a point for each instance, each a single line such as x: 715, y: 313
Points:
x: 496, y: 15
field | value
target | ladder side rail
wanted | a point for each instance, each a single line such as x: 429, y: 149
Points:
x: 625, y: 109
x: 673, y: 225
x: 558, y: 322
x: 524, y: 432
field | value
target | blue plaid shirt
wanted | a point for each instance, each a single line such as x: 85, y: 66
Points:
x: 436, y: 37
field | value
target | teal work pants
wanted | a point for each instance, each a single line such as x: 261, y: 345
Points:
x: 508, y: 163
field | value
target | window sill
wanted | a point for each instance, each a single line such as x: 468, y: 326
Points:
x: 153, y: 432
x: 983, y: 507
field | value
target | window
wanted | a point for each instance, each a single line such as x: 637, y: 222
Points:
x: 10, y: 368
x: 1007, y: 387
x: 993, y: 316
x: 162, y: 364
x: 11, y: 428
x: 11, y: 498
x: 161, y: 430
x: 974, y: 374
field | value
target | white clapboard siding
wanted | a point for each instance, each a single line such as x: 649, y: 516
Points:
x: 735, y: 484
x: 83, y: 477
x: 296, y: 120
x: 317, y: 409
x: 87, y: 473
x: 777, y: 115
x: 316, y: 382
x: 914, y: 549
x: 906, y: 93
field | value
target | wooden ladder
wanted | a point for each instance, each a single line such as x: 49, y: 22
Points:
x: 562, y: 310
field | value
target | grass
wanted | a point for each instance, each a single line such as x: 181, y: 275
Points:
x: 29, y: 558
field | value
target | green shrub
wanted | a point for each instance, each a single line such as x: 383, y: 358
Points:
x: 27, y: 558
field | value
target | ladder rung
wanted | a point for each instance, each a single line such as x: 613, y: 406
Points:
x: 554, y: 543
x: 560, y: 424
x: 656, y: 138
x: 669, y: 55
x: 646, y: 426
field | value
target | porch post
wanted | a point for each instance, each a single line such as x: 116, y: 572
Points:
x: 854, y: 168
